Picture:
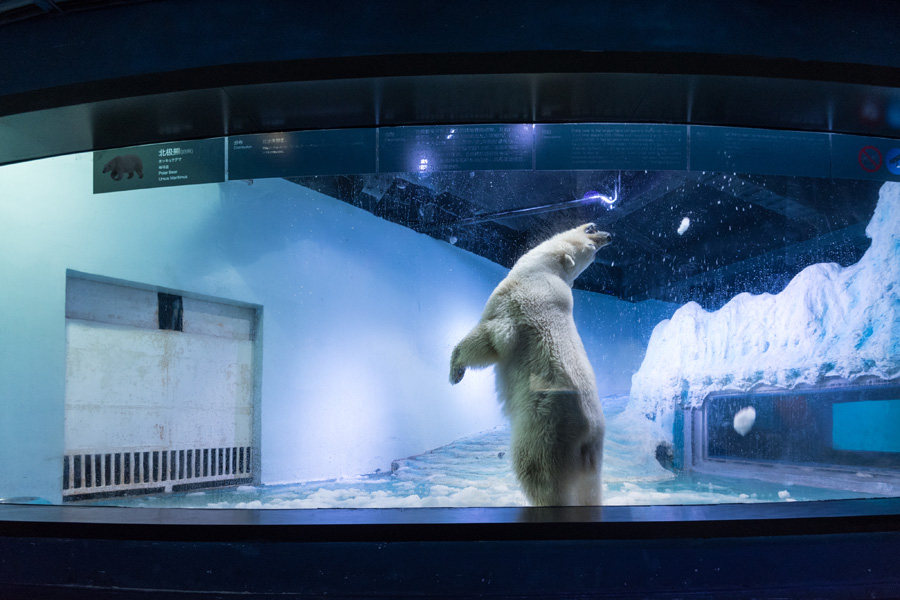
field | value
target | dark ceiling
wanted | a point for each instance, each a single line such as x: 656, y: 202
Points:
x: 80, y: 75
x: 747, y: 233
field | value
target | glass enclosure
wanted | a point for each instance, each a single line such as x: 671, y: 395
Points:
x: 266, y: 321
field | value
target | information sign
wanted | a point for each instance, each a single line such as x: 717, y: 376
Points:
x: 159, y: 165
x: 565, y: 146
x: 301, y: 153
x: 455, y: 148
x: 857, y: 157
x: 762, y: 151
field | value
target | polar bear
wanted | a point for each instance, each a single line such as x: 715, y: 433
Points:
x: 124, y: 165
x: 545, y: 383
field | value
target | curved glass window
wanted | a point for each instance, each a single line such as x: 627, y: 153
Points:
x: 267, y: 321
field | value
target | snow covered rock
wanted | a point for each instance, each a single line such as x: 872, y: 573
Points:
x: 830, y: 321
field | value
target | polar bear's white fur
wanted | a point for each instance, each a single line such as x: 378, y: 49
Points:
x: 544, y: 380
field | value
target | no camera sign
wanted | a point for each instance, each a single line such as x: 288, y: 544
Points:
x: 870, y: 159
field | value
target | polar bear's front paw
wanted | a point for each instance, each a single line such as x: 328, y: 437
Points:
x: 456, y: 374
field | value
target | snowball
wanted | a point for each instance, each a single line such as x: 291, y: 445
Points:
x: 685, y: 223
x: 744, y: 420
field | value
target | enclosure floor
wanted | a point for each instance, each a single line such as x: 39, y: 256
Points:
x: 476, y: 471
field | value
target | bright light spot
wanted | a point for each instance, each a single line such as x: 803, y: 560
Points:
x: 593, y: 196
x: 685, y: 223
x: 423, y: 164
x: 452, y: 131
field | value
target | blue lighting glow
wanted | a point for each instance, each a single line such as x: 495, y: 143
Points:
x: 593, y: 196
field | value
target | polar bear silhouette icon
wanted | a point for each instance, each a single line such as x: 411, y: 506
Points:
x: 124, y: 165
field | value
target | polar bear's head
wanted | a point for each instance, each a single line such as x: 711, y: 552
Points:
x: 579, y: 246
x: 569, y: 252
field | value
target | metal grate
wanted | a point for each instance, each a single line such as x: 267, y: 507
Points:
x: 89, y: 475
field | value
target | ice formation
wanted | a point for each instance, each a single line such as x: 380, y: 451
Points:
x: 829, y: 322
x: 744, y: 420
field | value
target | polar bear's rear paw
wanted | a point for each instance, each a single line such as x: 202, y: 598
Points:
x: 456, y: 374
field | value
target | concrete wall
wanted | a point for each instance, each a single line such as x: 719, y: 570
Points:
x: 131, y: 386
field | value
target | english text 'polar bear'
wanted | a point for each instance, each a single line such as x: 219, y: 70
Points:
x: 544, y: 380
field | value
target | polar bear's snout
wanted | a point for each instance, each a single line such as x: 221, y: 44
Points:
x: 601, y: 238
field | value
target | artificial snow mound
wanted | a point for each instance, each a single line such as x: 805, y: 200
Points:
x: 830, y: 321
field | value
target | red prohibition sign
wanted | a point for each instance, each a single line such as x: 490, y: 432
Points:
x: 870, y: 159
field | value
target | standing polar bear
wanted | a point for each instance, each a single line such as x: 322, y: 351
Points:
x: 546, y: 384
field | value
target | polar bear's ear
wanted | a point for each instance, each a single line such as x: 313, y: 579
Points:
x: 568, y: 262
